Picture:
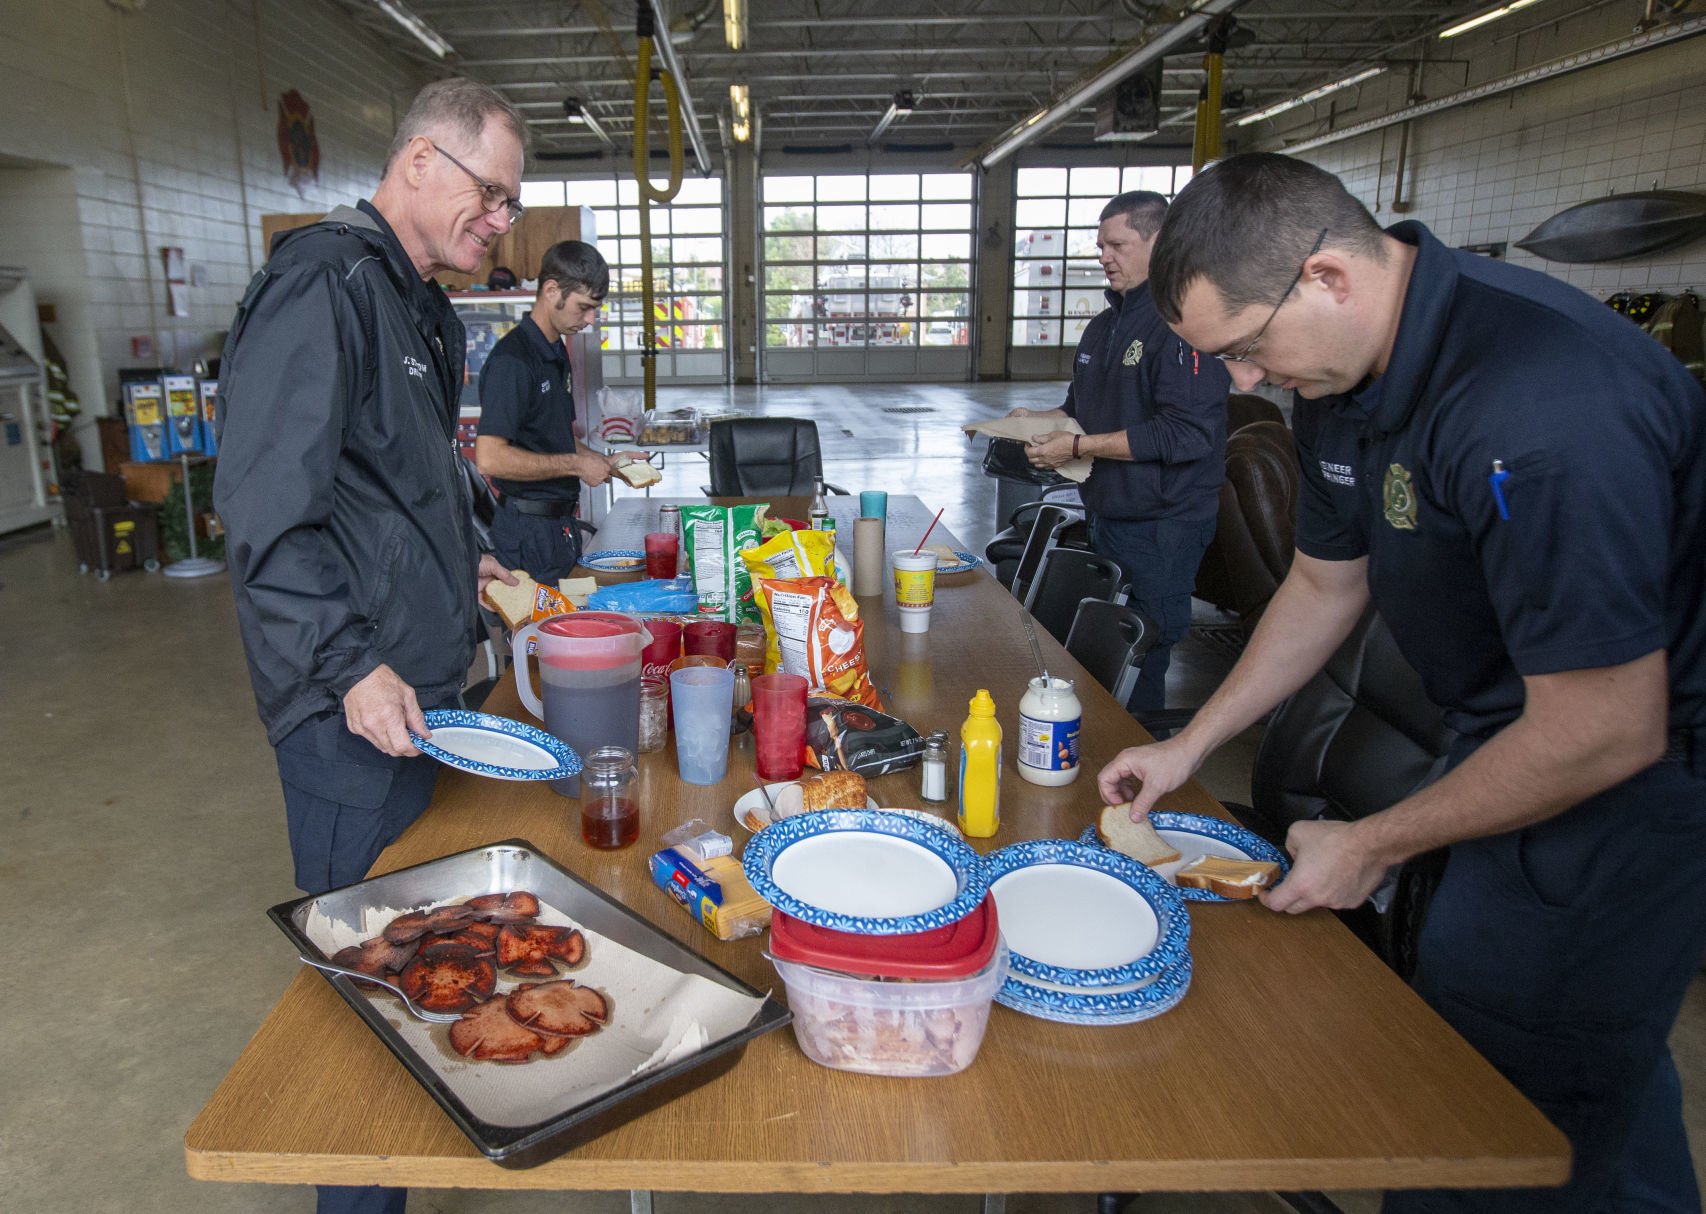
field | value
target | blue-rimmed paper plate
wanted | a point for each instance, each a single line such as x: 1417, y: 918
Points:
x: 1091, y: 1007
x: 1200, y: 835
x: 1085, y: 916
x: 498, y: 747
x: 865, y: 871
x: 965, y: 564
x: 616, y: 560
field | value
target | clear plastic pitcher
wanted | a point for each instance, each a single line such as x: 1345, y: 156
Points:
x: 589, y: 669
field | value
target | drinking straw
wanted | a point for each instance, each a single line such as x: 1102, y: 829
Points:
x: 927, y: 532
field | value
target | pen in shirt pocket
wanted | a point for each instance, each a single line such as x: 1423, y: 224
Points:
x: 1497, y: 481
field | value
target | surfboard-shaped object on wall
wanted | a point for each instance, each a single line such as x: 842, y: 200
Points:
x: 1620, y: 226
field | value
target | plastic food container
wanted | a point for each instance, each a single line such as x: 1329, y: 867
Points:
x: 908, y: 1005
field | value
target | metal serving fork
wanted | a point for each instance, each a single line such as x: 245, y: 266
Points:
x: 420, y: 1012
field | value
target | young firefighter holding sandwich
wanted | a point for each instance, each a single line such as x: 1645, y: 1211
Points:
x: 526, y: 442
x: 1515, y: 476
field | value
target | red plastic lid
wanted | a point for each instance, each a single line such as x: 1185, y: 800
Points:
x: 591, y: 640
x: 957, y: 950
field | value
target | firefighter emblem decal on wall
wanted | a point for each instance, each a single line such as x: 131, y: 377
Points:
x: 296, y: 142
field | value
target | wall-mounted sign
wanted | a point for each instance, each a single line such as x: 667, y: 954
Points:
x: 297, y: 143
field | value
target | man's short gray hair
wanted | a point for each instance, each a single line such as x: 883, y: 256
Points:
x: 459, y: 107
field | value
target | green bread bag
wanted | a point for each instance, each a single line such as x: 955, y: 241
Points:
x: 715, y: 536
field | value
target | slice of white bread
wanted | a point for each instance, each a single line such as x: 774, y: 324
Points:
x: 638, y: 473
x: 1136, y: 839
x: 513, y: 603
x: 1228, y: 878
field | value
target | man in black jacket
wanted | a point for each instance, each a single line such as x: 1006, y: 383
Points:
x: 1154, y: 417
x: 351, y: 543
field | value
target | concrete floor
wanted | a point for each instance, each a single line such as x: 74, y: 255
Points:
x: 142, y: 838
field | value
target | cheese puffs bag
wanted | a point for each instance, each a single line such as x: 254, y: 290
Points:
x: 812, y: 628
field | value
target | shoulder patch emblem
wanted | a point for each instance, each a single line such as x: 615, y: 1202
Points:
x: 1133, y: 353
x: 544, y: 385
x: 1400, y: 498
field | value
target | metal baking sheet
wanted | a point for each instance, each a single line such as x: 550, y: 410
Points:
x: 500, y: 867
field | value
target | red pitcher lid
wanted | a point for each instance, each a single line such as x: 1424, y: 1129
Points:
x: 956, y: 950
x: 592, y: 640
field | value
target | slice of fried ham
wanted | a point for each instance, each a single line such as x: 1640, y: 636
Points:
x: 378, y: 956
x: 518, y: 906
x: 488, y: 1033
x: 531, y: 949
x: 448, y: 978
x: 560, y: 1009
x: 438, y: 920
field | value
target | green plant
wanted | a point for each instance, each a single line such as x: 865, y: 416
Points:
x: 174, y: 528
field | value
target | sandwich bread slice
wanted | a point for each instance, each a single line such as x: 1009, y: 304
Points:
x: 1228, y: 878
x: 1135, y: 839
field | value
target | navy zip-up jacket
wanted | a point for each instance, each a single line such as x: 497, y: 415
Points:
x: 1133, y: 374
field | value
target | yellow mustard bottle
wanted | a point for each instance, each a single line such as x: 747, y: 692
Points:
x: 980, y: 768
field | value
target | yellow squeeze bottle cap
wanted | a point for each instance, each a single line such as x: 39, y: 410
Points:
x: 982, y: 704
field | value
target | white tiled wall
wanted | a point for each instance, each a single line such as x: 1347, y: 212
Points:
x: 161, y: 124
x: 1493, y: 170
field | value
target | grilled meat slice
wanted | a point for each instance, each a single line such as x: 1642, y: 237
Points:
x: 518, y: 906
x: 377, y: 956
x: 537, y: 944
x: 448, y: 978
x: 562, y: 1008
x: 489, y: 1033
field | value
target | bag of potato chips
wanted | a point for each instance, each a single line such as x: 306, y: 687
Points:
x: 812, y: 628
x: 714, y: 537
x: 792, y: 554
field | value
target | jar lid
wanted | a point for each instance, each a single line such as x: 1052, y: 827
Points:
x: 955, y: 950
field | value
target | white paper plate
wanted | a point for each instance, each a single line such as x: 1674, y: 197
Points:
x: 864, y: 873
x: 494, y: 746
x: 1074, y: 918
x: 751, y: 805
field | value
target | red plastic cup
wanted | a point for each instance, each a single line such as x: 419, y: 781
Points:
x: 713, y: 637
x: 779, y: 725
x: 662, y: 550
x: 664, y: 649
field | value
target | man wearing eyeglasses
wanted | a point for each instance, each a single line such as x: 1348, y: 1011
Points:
x: 527, y: 419
x: 1515, y: 476
x: 1153, y: 412
x: 352, y: 548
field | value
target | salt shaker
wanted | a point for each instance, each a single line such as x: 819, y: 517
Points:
x: 933, y: 770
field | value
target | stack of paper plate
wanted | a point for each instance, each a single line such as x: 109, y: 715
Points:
x: 1094, y: 937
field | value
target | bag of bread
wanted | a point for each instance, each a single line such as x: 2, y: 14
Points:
x: 844, y: 736
x: 791, y: 554
x: 714, y: 537
x: 525, y: 602
x: 812, y: 628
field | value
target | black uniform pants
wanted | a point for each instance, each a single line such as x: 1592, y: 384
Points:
x: 546, y: 547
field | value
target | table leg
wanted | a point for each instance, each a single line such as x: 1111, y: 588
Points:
x: 639, y: 1201
x: 995, y: 1203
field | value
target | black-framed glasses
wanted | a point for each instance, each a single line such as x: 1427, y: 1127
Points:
x: 1244, y: 354
x: 492, y: 195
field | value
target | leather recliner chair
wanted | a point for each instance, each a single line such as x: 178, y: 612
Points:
x: 1257, y: 528
x: 1358, y: 737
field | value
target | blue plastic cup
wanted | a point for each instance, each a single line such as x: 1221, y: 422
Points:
x: 703, y: 698
x: 874, y: 503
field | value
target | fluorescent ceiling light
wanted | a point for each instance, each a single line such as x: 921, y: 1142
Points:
x: 1314, y: 94
x: 423, y: 33
x: 734, y: 23
x: 740, y: 103
x: 1492, y: 14
x: 902, y: 105
x: 578, y: 114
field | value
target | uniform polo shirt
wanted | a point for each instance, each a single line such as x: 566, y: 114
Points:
x: 525, y: 398
x: 1598, y: 555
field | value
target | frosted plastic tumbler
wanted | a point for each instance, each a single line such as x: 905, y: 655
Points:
x: 702, y: 698
x: 914, y: 588
x: 779, y: 725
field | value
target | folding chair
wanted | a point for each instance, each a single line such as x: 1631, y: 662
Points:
x: 1065, y: 579
x: 1110, y: 641
x: 1046, y: 526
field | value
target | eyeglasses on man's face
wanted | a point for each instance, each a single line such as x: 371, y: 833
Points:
x: 492, y: 195
x: 1250, y: 346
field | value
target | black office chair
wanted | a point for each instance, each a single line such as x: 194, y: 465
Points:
x: 1110, y: 641
x: 764, y: 457
x: 1065, y: 579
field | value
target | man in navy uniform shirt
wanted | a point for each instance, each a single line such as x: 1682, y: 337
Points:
x: 526, y: 441
x: 1154, y: 417
x: 1516, y: 477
